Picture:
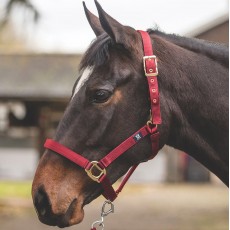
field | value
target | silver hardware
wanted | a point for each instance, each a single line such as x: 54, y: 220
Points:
x: 100, y: 223
x: 106, y: 209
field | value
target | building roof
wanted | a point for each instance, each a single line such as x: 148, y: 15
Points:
x: 37, y: 76
x: 206, y: 26
x: 51, y: 76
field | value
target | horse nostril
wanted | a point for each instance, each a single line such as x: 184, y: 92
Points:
x: 41, y: 202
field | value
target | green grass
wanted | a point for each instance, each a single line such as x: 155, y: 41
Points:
x: 15, y: 189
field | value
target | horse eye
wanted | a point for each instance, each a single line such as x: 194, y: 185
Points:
x: 101, y: 96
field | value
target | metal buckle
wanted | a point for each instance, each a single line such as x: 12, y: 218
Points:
x: 155, y: 60
x: 98, y: 168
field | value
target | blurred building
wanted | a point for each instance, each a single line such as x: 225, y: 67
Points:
x: 216, y: 30
x: 35, y: 89
x: 34, y: 92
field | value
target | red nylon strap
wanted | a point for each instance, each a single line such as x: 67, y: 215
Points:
x: 124, y: 146
x: 109, y: 193
x: 151, y: 72
x: 155, y: 144
x: 66, y: 152
x: 147, y: 43
x: 150, y: 68
x: 125, y: 179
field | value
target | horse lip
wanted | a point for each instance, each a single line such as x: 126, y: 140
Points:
x: 47, y: 220
x: 62, y: 220
x: 52, y: 220
x: 62, y: 223
x: 70, y: 217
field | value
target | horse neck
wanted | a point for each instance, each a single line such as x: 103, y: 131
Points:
x: 194, y: 91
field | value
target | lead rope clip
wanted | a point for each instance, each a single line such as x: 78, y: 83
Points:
x: 107, y: 208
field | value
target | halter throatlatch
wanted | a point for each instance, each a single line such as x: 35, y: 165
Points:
x: 96, y: 170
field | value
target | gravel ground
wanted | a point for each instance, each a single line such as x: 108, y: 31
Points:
x: 140, y: 207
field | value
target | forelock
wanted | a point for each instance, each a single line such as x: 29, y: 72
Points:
x: 98, y: 52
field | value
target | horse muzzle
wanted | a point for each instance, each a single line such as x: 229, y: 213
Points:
x: 57, y: 213
x: 57, y: 192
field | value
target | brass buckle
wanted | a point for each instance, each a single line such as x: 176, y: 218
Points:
x: 155, y: 60
x: 98, y: 168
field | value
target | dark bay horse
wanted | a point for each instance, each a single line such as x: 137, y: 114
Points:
x: 110, y: 101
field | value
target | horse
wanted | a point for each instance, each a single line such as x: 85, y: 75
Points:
x: 110, y: 101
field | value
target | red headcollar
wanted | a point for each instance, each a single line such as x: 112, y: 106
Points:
x: 151, y: 72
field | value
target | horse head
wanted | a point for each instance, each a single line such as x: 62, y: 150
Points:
x: 109, y: 103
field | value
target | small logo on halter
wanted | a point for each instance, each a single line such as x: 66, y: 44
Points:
x: 137, y: 137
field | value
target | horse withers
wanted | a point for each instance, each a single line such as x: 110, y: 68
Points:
x: 110, y: 102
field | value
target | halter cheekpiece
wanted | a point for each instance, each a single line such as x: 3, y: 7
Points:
x: 96, y: 170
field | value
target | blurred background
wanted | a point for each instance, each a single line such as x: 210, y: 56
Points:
x: 41, y: 44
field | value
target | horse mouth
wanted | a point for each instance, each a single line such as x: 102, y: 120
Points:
x: 73, y: 215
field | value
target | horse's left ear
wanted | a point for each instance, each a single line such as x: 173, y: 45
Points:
x: 93, y: 21
x: 119, y: 33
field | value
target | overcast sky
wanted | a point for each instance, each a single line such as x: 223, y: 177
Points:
x: 63, y: 26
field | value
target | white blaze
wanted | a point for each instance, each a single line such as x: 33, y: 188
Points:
x: 84, y: 77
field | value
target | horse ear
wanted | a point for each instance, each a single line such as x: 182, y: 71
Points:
x: 118, y: 32
x: 93, y: 21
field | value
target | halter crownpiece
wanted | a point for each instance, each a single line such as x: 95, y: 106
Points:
x: 96, y: 170
x: 151, y: 72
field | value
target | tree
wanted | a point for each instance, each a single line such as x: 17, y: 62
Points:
x: 10, y: 40
x: 11, y: 4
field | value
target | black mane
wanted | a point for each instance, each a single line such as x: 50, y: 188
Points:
x: 99, y: 51
x: 216, y: 51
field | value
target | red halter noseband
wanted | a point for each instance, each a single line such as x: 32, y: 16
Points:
x: 96, y: 170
